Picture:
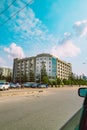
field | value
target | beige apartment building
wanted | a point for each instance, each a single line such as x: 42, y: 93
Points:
x: 31, y: 67
x: 64, y: 69
x: 23, y: 67
x: 4, y: 71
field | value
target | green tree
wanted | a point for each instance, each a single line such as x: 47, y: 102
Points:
x: 24, y: 78
x: 17, y: 79
x: 1, y: 75
x: 8, y: 78
x: 45, y: 79
x: 32, y: 77
x: 66, y: 81
x: 43, y: 72
x: 54, y: 82
x: 58, y: 81
x: 71, y: 79
x: 50, y: 83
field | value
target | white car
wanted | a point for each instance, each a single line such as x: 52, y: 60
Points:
x: 4, y: 85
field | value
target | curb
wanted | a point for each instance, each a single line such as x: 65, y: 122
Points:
x: 17, y: 93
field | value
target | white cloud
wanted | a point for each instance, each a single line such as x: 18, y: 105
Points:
x: 29, y: 29
x: 68, y: 49
x: 14, y: 51
x: 7, y: 50
x: 67, y: 34
x: 80, y: 28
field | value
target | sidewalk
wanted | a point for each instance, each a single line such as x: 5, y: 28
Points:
x: 20, y: 92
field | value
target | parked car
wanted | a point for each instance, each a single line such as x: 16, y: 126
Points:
x: 4, y: 85
x: 12, y: 85
x: 35, y: 85
x: 27, y: 85
x: 17, y: 85
x: 42, y: 86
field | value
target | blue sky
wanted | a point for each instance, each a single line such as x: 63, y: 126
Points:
x: 58, y: 27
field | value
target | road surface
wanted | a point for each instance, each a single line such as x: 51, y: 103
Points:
x: 49, y: 110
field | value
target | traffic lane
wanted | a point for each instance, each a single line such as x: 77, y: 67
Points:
x: 39, y: 112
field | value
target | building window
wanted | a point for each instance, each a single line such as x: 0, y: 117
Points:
x: 37, y: 59
x: 49, y: 58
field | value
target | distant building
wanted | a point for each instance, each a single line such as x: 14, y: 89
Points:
x: 54, y: 67
x: 83, y: 77
x: 64, y: 69
x: 4, y: 71
x: 23, y: 67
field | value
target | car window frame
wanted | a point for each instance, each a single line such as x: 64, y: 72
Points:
x: 84, y: 115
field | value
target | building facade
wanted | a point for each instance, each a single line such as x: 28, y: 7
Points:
x: 64, y: 69
x: 4, y: 71
x: 50, y: 64
x: 31, y: 67
x: 23, y: 68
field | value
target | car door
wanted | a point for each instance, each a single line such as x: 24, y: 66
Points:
x: 83, y: 121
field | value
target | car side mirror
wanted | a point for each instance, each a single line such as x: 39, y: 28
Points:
x: 82, y: 92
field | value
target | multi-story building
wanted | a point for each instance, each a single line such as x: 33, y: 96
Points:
x: 50, y: 64
x: 4, y: 71
x: 64, y: 69
x: 32, y: 66
x: 23, y: 67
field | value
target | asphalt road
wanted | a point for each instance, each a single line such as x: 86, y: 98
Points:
x: 49, y: 110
